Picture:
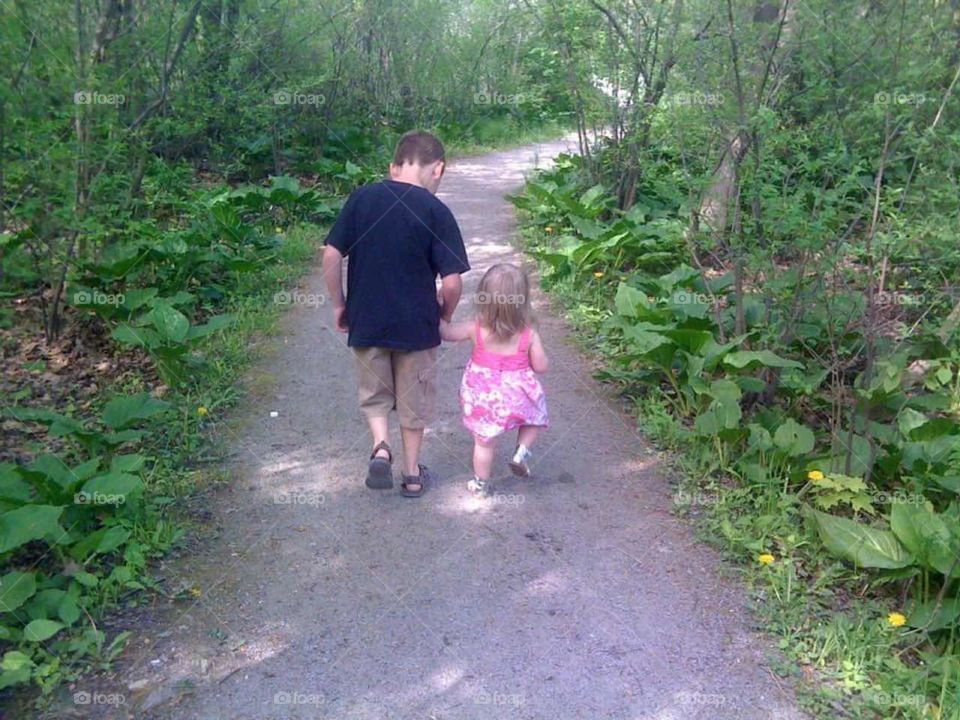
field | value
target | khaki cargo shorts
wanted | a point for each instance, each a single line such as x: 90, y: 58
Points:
x: 401, y: 380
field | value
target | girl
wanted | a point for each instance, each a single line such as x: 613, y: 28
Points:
x: 499, y: 390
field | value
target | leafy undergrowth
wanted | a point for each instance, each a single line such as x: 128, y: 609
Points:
x: 832, y: 474
x: 107, y: 427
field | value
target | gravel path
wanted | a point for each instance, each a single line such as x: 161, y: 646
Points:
x: 572, y: 595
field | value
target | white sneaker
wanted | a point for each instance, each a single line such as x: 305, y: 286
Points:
x: 477, y: 486
x: 520, y: 464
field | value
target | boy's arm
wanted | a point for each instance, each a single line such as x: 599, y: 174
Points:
x: 455, y: 332
x: 538, y: 356
x: 448, y: 258
x: 451, y: 286
x: 341, y: 237
x: 333, y: 277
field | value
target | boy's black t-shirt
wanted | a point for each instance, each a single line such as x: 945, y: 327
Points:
x: 398, y: 238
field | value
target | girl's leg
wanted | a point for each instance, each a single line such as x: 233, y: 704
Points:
x: 483, y: 457
x: 527, y: 435
x: 482, y: 462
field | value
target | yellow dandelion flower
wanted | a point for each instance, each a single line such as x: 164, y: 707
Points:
x: 202, y: 411
x: 765, y: 559
x: 815, y: 475
x: 196, y: 592
x: 897, y: 619
x: 598, y: 274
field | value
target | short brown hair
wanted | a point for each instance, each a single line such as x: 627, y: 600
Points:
x: 503, y: 301
x: 418, y: 147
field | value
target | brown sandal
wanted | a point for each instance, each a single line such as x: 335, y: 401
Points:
x: 419, y: 479
x: 379, y: 471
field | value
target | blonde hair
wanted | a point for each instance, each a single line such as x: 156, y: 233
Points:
x: 503, y: 301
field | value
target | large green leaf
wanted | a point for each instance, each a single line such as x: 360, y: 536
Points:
x: 12, y: 485
x: 750, y: 383
x: 681, y: 276
x: 594, y: 197
x: 68, y: 427
x: 935, y: 428
x: 285, y: 182
x: 102, y: 541
x: 928, y: 452
x: 862, y: 545
x: 693, y: 341
x: 228, y: 219
x: 135, y: 297
x: 127, y: 463
x: 925, y: 534
x: 14, y: 677
x: 948, y: 482
x: 760, y: 438
x: 115, y: 483
x: 743, y: 358
x: 123, y: 410
x: 139, y: 337
x: 856, y: 449
x: 629, y: 300
x: 718, y: 416
x: 44, y: 604
x: 586, y: 227
x: 30, y: 522
x: 931, y: 617
x: 16, y: 668
x: 171, y: 324
x: 15, y: 589
x: 689, y: 304
x: 713, y: 352
x: 725, y: 390
x: 52, y: 467
x: 34, y: 415
x: 68, y: 610
x: 40, y: 630
x: 124, y: 436
x: 910, y: 420
x: 14, y: 660
x: 793, y: 438
x: 217, y: 322
x: 643, y: 342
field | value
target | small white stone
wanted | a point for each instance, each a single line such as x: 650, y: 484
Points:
x: 274, y: 413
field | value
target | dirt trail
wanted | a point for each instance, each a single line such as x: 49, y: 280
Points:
x: 572, y: 595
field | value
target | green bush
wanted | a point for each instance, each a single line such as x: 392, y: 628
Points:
x: 866, y: 453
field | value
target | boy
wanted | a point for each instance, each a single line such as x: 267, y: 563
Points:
x: 399, y: 238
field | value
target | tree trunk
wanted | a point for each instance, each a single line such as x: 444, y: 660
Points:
x: 715, y: 202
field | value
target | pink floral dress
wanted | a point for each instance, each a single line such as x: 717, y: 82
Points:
x: 501, y: 392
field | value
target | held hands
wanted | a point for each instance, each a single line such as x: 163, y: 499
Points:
x: 448, y: 295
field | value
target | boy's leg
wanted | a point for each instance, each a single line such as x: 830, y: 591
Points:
x: 375, y: 389
x: 380, y: 429
x: 415, y: 375
x: 412, y: 440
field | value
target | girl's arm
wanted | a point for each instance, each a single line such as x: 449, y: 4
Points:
x: 456, y: 331
x: 538, y: 358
